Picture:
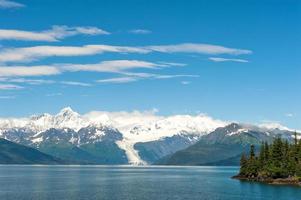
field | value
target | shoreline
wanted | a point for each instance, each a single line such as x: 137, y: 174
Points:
x: 293, y: 181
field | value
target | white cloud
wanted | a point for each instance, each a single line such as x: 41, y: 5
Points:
x: 272, y: 125
x: 9, y: 87
x: 10, y: 4
x: 118, y: 80
x: 52, y: 35
x: 26, y: 54
x: 122, y: 67
x: 112, y: 66
x: 173, y: 64
x: 140, y: 31
x: 216, y: 59
x: 28, y: 81
x: 198, y: 48
x: 132, y: 77
x: 15, y: 71
x: 116, y: 66
x: 124, y: 118
x: 75, y: 83
x: 37, y: 52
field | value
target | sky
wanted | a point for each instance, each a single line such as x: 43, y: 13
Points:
x: 230, y: 59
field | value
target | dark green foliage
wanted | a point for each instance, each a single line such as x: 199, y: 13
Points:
x: 96, y: 153
x: 12, y: 153
x: 243, y: 164
x: 277, y: 160
x: 204, y: 154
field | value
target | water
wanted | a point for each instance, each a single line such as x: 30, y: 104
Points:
x: 126, y: 182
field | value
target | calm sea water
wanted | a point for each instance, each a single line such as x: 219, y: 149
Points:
x: 126, y: 182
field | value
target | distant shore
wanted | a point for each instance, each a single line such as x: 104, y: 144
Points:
x: 277, y: 181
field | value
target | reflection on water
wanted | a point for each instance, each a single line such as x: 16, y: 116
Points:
x: 127, y: 182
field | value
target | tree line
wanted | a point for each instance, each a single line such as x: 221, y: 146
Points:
x: 280, y: 159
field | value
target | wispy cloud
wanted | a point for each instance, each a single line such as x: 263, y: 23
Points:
x: 132, y: 77
x: 15, y: 71
x: 289, y: 115
x: 10, y: 4
x: 9, y: 87
x: 272, y: 125
x: 118, y: 80
x: 52, y: 35
x: 7, y: 97
x: 54, y: 94
x: 185, y: 82
x: 216, y: 59
x: 112, y: 66
x: 26, y: 54
x: 174, y: 76
x: 27, y: 81
x: 37, y: 52
x: 75, y: 83
x: 115, y: 66
x: 140, y: 31
x: 198, y: 48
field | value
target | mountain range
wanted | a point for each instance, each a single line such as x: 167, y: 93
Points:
x: 135, y: 138
x: 225, y: 145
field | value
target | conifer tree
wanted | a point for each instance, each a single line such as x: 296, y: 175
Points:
x: 277, y: 160
x: 261, y: 159
x: 243, y: 164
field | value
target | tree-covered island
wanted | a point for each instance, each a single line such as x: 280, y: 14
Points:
x: 275, y: 163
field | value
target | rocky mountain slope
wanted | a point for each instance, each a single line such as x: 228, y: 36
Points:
x: 225, y: 145
x: 12, y: 153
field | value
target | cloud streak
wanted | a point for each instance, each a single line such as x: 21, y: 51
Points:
x: 17, y: 71
x: 10, y: 4
x: 9, y: 87
x: 54, y: 94
x: 27, y: 81
x: 75, y: 83
x: 112, y: 66
x: 26, y: 54
x: 37, y: 52
x: 55, y: 34
x: 118, y: 80
x: 216, y: 59
x: 199, y: 49
x: 140, y: 31
x: 7, y: 97
x: 133, y: 77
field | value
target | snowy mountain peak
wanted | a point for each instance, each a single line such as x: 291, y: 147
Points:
x: 68, y: 112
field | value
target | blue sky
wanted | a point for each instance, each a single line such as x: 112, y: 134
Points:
x: 234, y: 60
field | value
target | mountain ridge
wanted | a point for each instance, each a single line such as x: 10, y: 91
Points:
x: 224, y: 145
x: 131, y: 138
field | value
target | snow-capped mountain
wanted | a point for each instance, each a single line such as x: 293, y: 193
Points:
x: 123, y: 137
x: 225, y: 145
x: 135, y: 134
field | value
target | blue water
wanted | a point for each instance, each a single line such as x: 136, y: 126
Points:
x: 126, y: 182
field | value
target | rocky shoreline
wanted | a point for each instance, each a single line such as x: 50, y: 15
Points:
x: 273, y: 181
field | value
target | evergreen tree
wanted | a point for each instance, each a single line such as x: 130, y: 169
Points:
x: 252, y: 170
x: 243, y: 164
x: 266, y: 153
x: 252, y: 152
x: 277, y: 160
x: 261, y: 158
